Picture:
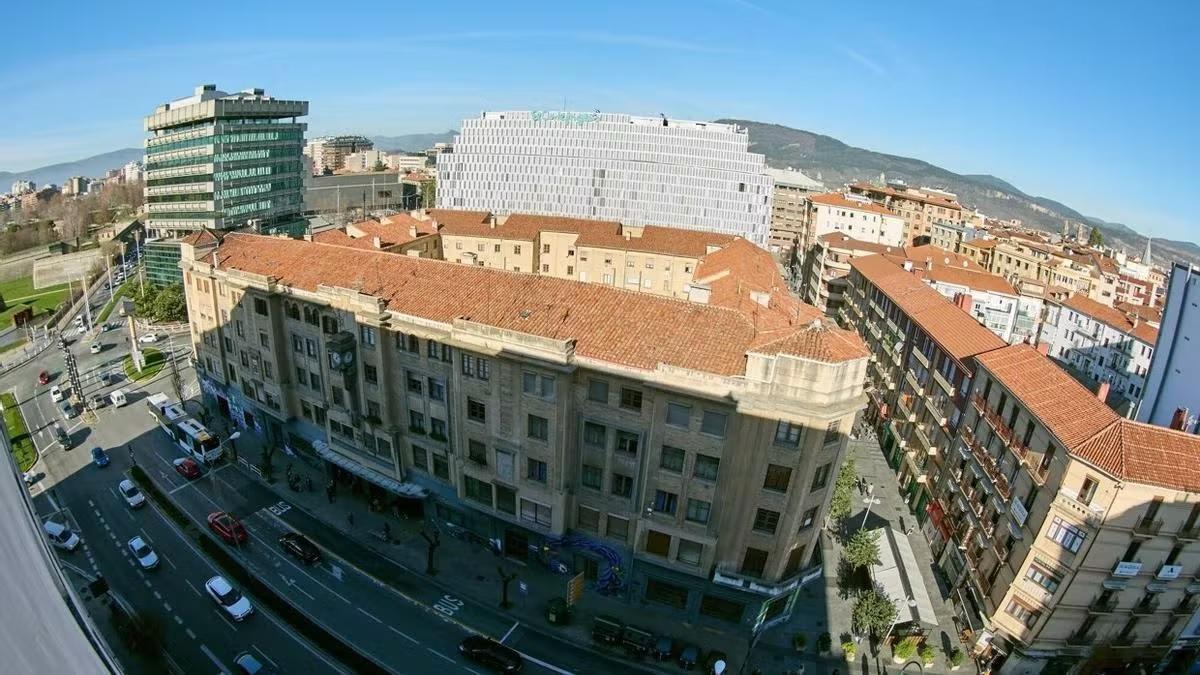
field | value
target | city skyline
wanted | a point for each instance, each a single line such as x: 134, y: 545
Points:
x: 999, y: 100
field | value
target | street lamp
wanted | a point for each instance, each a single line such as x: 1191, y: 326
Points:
x: 869, y: 501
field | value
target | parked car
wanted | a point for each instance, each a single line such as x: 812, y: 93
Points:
x: 187, y: 467
x: 67, y: 409
x: 148, y: 338
x: 60, y: 535
x: 132, y: 496
x: 99, y: 457
x: 248, y: 665
x: 637, y: 642
x: 56, y: 394
x: 107, y: 378
x: 146, y: 557
x: 299, y: 546
x: 63, y: 438
x: 98, y: 402
x: 607, y: 630
x: 228, y: 528
x: 688, y: 656
x: 233, y: 603
x: 490, y: 653
x: 118, y: 398
x: 43, y: 378
x: 95, y: 348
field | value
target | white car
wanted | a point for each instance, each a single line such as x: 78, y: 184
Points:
x: 146, y: 557
x: 95, y: 348
x: 148, y: 338
x: 236, y: 605
x: 56, y: 394
x: 133, y: 496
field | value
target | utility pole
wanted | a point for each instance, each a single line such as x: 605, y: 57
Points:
x: 175, y: 382
x: 87, y: 304
x: 505, y: 580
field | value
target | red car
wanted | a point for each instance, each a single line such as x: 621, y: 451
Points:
x: 43, y: 377
x: 187, y: 467
x: 228, y: 528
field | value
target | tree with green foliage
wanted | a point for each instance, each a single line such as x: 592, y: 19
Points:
x: 428, y: 193
x: 379, y: 166
x: 170, y: 305
x: 1095, y: 237
x: 843, y: 493
x: 862, y: 550
x: 873, y: 613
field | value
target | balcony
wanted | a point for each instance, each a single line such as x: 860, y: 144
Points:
x: 1146, y: 607
x: 1102, y: 605
x: 1185, y: 607
x: 920, y: 356
x: 1162, y: 640
x: 1147, y: 528
x: 1081, y: 639
x: 923, y: 440
x: 1188, y: 533
x: 1007, y: 435
x: 988, y: 463
x: 904, y: 403
x: 944, y: 383
x: 1091, y: 515
x: 1123, y: 640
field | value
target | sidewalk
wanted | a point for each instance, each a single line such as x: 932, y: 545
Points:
x: 469, y: 569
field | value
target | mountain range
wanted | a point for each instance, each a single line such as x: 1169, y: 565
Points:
x: 836, y: 163
x: 820, y: 156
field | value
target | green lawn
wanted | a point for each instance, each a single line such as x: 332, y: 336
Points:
x: 154, y: 365
x: 13, y: 345
x: 45, y: 301
x: 22, y: 444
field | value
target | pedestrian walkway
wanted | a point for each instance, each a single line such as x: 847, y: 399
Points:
x: 468, y: 567
x: 889, y: 511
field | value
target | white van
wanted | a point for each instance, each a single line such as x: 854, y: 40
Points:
x: 61, y: 535
x: 117, y: 398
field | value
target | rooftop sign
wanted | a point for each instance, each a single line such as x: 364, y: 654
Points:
x: 575, y: 118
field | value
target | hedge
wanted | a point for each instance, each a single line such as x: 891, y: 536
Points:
x: 22, y: 445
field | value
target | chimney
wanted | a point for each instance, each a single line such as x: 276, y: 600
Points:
x: 492, y: 221
x: 964, y: 302
x: 1179, y: 419
x: 412, y: 231
x: 376, y: 242
x: 628, y: 235
x: 1102, y: 392
x: 1044, y: 348
x: 928, y: 264
x: 908, y: 265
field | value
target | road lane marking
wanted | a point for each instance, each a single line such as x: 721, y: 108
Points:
x: 372, y: 616
x: 438, y: 654
x: 158, y: 596
x: 166, y: 607
x: 178, y: 620
x: 213, y: 657
x: 177, y: 489
x: 404, y: 635
x: 194, y: 589
x: 547, y: 666
x: 190, y: 633
x: 262, y: 654
x: 510, y: 630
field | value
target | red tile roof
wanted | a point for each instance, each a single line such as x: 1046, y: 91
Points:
x: 1144, y: 453
x: 655, y: 239
x: 921, y: 197
x: 839, y: 200
x: 392, y: 230
x: 1112, y: 317
x: 637, y: 330
x: 1144, y: 312
x: 340, y: 238
x: 200, y: 238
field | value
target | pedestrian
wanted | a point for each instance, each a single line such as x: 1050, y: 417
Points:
x: 350, y: 519
x: 329, y: 493
x: 387, y: 531
x: 132, y: 461
x: 308, y: 483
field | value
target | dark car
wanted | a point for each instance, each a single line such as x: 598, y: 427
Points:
x: 664, y: 648
x: 299, y: 546
x: 249, y: 665
x: 637, y: 642
x: 607, y: 630
x: 228, y: 528
x: 490, y: 653
x: 99, y: 457
x: 43, y: 377
x: 688, y: 656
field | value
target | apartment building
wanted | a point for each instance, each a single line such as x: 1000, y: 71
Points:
x: 1103, y: 344
x: 979, y: 250
x: 950, y: 235
x: 854, y: 216
x: 789, y: 212
x: 826, y: 266
x: 682, y: 452
x: 919, y: 208
x: 1064, y: 531
x: 328, y: 153
x: 609, y: 166
x: 1172, y: 392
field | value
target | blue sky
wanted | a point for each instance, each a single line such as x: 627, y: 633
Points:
x: 1093, y: 104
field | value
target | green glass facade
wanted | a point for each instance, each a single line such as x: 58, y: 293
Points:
x: 161, y: 259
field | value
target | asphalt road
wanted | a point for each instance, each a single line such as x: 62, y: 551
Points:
x: 413, y: 629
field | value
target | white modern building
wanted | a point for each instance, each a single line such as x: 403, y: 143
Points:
x: 1172, y: 396
x: 609, y: 166
x: 856, y: 217
x: 1104, y: 344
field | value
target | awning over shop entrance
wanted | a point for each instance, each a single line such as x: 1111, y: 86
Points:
x: 900, y: 578
x: 410, y: 490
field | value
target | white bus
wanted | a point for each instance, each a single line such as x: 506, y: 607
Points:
x: 187, y: 433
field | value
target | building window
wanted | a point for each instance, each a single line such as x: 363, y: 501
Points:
x: 594, y: 434
x: 754, y: 562
x: 537, y: 385
x: 478, y: 491
x: 698, y: 511
x: 477, y: 451
x: 437, y: 390
x: 534, y: 513
x: 263, y: 339
x: 627, y: 442
x: 368, y: 336
x: 665, y: 593
x: 1067, y: 535
x: 420, y: 458
x: 414, y: 383
x: 260, y: 306
x: 598, y: 391
x: 821, y: 477
x: 721, y: 608
x: 714, y: 423
x: 535, y: 470
x: 706, y: 467
x: 672, y: 459
x: 1019, y: 611
x: 370, y: 374
x: 787, y: 434
x: 416, y: 421
x: 437, y: 428
x: 665, y: 502
x: 689, y: 552
x: 592, y: 476
x: 832, y: 433
x: 617, y: 527
x: 678, y: 415
x: 537, y: 428
x: 778, y: 478
x: 588, y: 519
x: 506, y: 500
x: 441, y: 468
x: 315, y: 381
x: 631, y: 399
x: 806, y: 520
x: 658, y: 543
x: 622, y: 485
x: 766, y: 521
x: 1043, y: 578
x: 476, y: 411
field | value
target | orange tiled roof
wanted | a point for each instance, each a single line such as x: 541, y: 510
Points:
x: 958, y: 333
x: 1144, y: 312
x: 392, y: 230
x: 340, y: 238
x: 1112, y: 317
x: 973, y: 279
x: 656, y: 239
x: 839, y: 200
x: 843, y: 241
x: 634, y: 329
x: 453, y: 218
x: 1144, y: 453
x: 200, y: 237
x: 898, y: 194
x: 743, y: 276
x: 1071, y: 412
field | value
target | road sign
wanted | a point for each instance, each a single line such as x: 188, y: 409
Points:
x: 523, y: 588
x: 575, y: 589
